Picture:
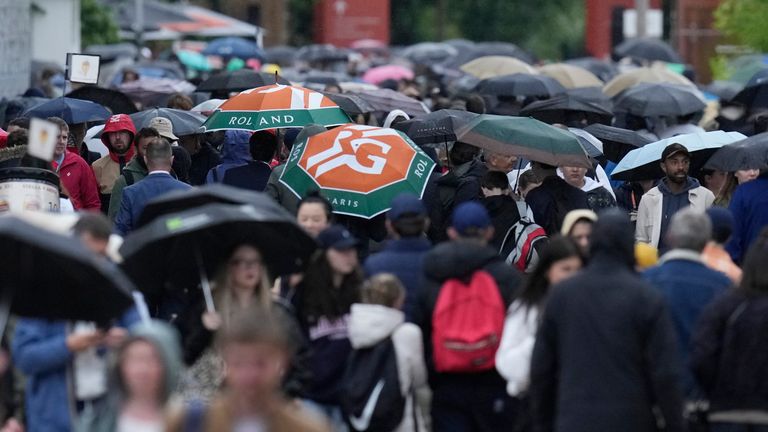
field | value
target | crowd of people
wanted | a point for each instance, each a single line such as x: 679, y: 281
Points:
x: 514, y: 295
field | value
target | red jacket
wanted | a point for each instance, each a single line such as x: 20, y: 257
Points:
x: 77, y: 177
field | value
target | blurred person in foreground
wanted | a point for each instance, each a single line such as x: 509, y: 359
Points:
x: 256, y: 352
x: 605, y: 357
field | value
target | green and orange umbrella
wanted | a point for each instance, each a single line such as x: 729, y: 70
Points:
x: 358, y: 168
x: 273, y: 107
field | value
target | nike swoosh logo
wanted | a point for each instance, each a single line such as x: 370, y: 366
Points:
x: 362, y: 422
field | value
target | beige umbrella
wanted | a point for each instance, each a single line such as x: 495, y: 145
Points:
x: 644, y: 75
x: 495, y: 66
x: 571, y: 76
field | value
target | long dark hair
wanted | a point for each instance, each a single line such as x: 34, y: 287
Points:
x: 320, y: 298
x: 536, y: 287
x: 754, y: 280
x: 315, y: 197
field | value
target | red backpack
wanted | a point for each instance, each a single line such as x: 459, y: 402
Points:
x: 467, y: 324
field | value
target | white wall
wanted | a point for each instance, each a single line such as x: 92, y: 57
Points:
x: 14, y: 47
x: 55, y: 30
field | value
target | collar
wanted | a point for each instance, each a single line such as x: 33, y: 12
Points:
x: 159, y: 172
x: 126, y: 156
x: 681, y: 254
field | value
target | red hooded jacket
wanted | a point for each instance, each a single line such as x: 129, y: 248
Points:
x: 108, y: 168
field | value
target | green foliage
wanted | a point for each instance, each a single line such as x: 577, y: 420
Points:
x: 719, y: 67
x: 745, y: 21
x: 97, y: 25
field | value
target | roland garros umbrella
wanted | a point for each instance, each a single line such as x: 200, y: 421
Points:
x: 275, y: 106
x: 358, y: 168
x: 751, y: 153
x: 525, y: 137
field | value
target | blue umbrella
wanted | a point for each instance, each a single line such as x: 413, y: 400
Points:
x: 71, y: 110
x: 643, y: 163
x: 234, y: 47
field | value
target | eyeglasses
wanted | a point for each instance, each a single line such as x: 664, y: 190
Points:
x: 245, y: 263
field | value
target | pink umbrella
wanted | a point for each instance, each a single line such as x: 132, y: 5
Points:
x: 381, y: 73
x: 3, y: 138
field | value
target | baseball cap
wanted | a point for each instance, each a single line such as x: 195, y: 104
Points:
x: 470, y: 215
x: 336, y: 237
x: 406, y: 204
x: 674, y: 149
x: 164, y: 127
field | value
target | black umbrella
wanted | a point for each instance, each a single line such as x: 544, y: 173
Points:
x: 168, y: 251
x: 437, y: 127
x: 755, y: 94
x: 602, y: 69
x: 659, y: 99
x: 71, y: 110
x: 592, y: 94
x: 750, y: 153
x: 325, y: 78
x: 386, y: 100
x: 520, y: 84
x: 483, y: 49
x: 566, y: 107
x: 724, y: 90
x: 239, y: 80
x: 351, y: 104
x: 184, y: 122
x: 47, y: 275
x: 281, y: 55
x: 322, y: 53
x: 617, y: 142
x: 647, y: 49
x: 180, y: 200
x: 429, y: 53
x: 117, y: 102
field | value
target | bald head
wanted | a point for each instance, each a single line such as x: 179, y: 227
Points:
x: 159, y: 156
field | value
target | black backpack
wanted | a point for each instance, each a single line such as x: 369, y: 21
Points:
x: 371, y: 397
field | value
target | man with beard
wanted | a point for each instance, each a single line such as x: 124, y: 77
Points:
x: 134, y: 171
x: 675, y: 192
x: 118, y: 137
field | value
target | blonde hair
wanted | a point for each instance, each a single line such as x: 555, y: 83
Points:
x: 224, y: 297
x: 383, y: 289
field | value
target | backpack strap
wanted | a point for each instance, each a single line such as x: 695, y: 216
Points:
x: 194, y: 417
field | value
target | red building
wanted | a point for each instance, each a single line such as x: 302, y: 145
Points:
x: 342, y: 22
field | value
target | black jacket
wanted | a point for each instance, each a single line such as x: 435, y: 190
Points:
x: 202, y: 162
x: 253, y: 176
x: 504, y: 213
x: 730, y: 352
x: 458, y: 185
x: 605, y: 353
x: 459, y: 259
x: 552, y: 200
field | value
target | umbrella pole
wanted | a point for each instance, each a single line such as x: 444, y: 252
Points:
x: 204, y: 283
x: 141, y: 307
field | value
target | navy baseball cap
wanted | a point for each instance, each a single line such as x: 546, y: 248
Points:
x: 674, y: 149
x: 470, y: 215
x: 406, y: 204
x: 336, y: 237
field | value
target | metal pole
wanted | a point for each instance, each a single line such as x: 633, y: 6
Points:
x: 641, y: 10
x: 138, y: 24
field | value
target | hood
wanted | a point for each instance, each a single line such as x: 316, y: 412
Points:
x: 9, y: 153
x: 692, y: 183
x: 457, y: 259
x: 117, y: 123
x: 613, y: 238
x: 369, y: 324
x: 165, y: 339
x: 236, y: 150
x: 574, y: 216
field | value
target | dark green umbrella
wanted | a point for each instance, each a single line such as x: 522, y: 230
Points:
x: 525, y: 137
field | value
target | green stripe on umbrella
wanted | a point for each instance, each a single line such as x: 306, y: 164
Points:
x: 260, y: 120
x: 525, y: 137
x: 366, y: 192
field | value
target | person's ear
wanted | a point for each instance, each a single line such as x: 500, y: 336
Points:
x: 663, y: 167
x: 453, y: 234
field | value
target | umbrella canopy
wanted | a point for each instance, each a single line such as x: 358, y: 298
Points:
x: 750, y: 153
x: 281, y: 55
x: 208, y: 107
x: 378, y: 74
x: 644, y: 75
x: 386, y: 100
x: 570, y: 76
x: 525, y: 137
x: 71, y: 110
x: 326, y: 78
x: 520, y: 84
x: 566, y: 107
x: 180, y: 200
x: 351, y: 103
x: 589, y: 142
x: 321, y: 53
x: 47, y: 275
x: 648, y: 49
x: 358, y: 168
x: 166, y: 252
x: 650, y: 100
x: 234, y: 47
x: 755, y: 94
x: 429, y: 53
x: 194, y: 60
x: 275, y: 106
x: 155, y: 91
x: 643, y: 163
x: 603, y: 70
x: 495, y: 66
x: 116, y: 102
x: 184, y: 122
x: 724, y: 90
x: 437, y: 127
x: 239, y: 80
x: 617, y: 142
x: 469, y: 52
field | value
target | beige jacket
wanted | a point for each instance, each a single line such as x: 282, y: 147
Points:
x: 648, y: 228
x: 106, y: 171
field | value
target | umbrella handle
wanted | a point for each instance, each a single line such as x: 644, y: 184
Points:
x: 204, y: 283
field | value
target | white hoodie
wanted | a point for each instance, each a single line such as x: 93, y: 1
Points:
x: 370, y: 324
x: 513, y: 358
